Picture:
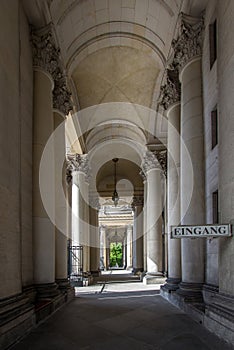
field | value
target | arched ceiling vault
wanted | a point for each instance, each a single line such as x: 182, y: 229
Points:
x: 115, y: 51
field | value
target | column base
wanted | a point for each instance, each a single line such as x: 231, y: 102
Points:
x: 16, y: 319
x: 172, y: 284
x: 137, y: 270
x: 95, y: 273
x: 191, y: 292
x: 46, y: 290
x: 153, y: 278
x: 63, y: 284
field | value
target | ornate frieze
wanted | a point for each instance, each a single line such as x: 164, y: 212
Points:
x: 162, y: 158
x: 171, y: 91
x: 149, y: 162
x: 189, y: 43
x: 47, y: 56
x: 79, y: 163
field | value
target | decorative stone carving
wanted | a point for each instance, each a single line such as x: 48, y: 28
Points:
x: 149, y: 162
x: 189, y: 43
x: 162, y: 158
x: 47, y: 56
x: 142, y: 174
x: 94, y: 202
x: 80, y: 163
x: 61, y: 95
x: 171, y: 91
x: 137, y: 201
x: 68, y: 176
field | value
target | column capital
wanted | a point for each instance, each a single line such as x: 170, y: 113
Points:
x: 46, y: 56
x: 79, y: 163
x: 142, y: 174
x: 170, y: 92
x: 61, y: 94
x: 162, y: 159
x: 188, y: 45
x: 149, y: 162
x: 94, y: 202
x: 137, y: 201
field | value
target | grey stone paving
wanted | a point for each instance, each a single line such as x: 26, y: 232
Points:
x: 121, y: 320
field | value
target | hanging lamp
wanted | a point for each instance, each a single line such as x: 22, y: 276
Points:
x: 115, y: 196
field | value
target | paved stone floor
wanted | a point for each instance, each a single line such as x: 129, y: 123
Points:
x: 130, y: 316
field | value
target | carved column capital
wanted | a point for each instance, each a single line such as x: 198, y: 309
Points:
x: 44, y: 51
x: 149, y: 162
x: 94, y: 202
x: 162, y: 159
x: 137, y: 201
x: 79, y: 163
x: 61, y: 94
x: 188, y: 45
x: 46, y: 55
x: 170, y: 92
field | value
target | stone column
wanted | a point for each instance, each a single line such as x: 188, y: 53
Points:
x: 152, y: 169
x: 103, y: 248
x: 80, y: 216
x: 188, y: 55
x: 144, y: 223
x: 125, y: 250
x: 45, y: 63
x: 171, y: 94
x: 137, y: 243
x: 94, y: 235
x: 61, y: 105
x: 129, y: 247
x: 60, y: 204
x: 86, y: 225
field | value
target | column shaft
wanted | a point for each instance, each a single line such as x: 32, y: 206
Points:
x: 44, y: 231
x: 137, y: 244
x: 154, y: 222
x: 129, y: 247
x: 173, y: 192
x: 192, y: 209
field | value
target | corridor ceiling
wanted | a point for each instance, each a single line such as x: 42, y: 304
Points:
x: 115, y: 54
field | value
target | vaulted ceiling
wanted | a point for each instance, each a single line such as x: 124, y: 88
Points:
x: 114, y: 54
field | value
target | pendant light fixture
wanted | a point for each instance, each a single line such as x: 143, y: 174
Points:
x: 115, y: 196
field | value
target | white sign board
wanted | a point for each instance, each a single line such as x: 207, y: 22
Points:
x: 207, y: 231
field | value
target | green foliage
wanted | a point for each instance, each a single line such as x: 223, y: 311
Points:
x: 116, y: 255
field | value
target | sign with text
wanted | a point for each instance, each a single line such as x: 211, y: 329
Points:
x: 207, y: 231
